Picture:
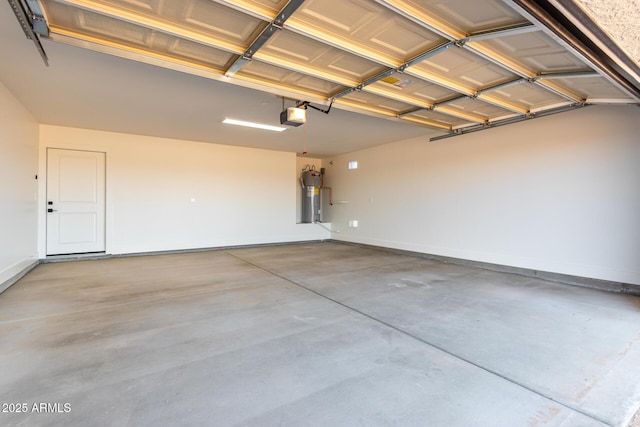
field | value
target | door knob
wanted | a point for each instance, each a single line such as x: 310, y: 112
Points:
x: 52, y: 210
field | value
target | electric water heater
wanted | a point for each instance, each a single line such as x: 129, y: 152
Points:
x: 311, y: 182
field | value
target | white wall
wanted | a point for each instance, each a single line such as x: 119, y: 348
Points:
x: 558, y: 194
x: 241, y: 195
x: 18, y: 186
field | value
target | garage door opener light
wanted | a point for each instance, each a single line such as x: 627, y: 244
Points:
x: 293, y: 116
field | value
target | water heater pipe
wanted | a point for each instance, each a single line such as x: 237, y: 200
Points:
x: 330, y: 194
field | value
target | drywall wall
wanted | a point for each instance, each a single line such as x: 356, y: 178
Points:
x: 165, y: 194
x: 18, y: 187
x: 558, y: 194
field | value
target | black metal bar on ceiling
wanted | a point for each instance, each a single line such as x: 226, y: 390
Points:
x: 265, y: 35
x: 39, y: 24
x: 26, y: 19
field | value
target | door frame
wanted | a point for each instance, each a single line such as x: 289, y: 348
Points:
x: 41, y: 195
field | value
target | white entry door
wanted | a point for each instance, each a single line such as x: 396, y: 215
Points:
x: 75, y: 202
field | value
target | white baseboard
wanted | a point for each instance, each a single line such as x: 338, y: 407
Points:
x: 12, y: 274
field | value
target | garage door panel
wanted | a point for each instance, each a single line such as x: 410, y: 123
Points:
x: 465, y: 69
x: 327, y: 48
x: 109, y: 31
x: 219, y: 21
x: 527, y: 96
x: 467, y: 16
x: 404, y: 85
x: 368, y: 25
x: 276, y: 76
x: 535, y: 51
x: 306, y: 52
x: 445, y: 119
x: 592, y: 88
x: 373, y: 101
x: 476, y: 108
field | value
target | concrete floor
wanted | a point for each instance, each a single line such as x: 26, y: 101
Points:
x: 321, y: 334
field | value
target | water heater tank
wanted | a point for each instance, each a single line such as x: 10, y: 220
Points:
x: 311, y: 181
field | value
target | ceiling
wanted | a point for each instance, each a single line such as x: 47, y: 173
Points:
x: 389, y: 70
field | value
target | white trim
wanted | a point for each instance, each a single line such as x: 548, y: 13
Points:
x: 12, y: 274
x: 565, y: 268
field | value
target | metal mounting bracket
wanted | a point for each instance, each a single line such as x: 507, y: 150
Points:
x: 32, y: 22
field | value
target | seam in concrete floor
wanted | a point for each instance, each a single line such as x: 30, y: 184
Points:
x: 408, y: 334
